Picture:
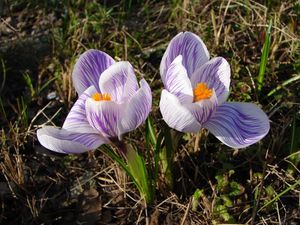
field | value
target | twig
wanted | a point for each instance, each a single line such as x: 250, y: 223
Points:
x: 186, y: 212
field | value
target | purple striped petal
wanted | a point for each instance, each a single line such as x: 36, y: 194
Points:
x: 119, y: 81
x: 203, y: 109
x: 192, y: 49
x: 64, y: 141
x: 76, y: 120
x: 238, y: 125
x: 177, y: 82
x: 137, y: 109
x: 176, y: 115
x: 103, y: 116
x: 216, y: 75
x: 88, y: 69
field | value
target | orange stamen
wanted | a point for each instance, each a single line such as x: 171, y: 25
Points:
x: 201, y: 92
x: 101, y: 97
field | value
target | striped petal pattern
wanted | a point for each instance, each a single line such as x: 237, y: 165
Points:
x: 177, y: 81
x: 136, y: 110
x: 186, y: 67
x: 203, y: 110
x: 192, y: 49
x: 177, y: 115
x: 88, y: 69
x: 65, y: 141
x: 94, y: 119
x: 238, y: 125
x: 76, y: 119
x: 216, y: 75
x: 119, y: 81
x: 103, y: 116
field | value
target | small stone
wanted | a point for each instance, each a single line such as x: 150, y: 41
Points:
x: 52, y: 95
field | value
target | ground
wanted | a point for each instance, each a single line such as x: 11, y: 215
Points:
x: 213, y: 184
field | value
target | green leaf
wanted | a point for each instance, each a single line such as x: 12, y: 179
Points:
x: 227, y: 201
x: 236, y: 189
x: 137, y: 167
x: 28, y: 81
x: 277, y: 197
x: 264, y: 58
x: 222, y: 212
x: 166, y: 157
x: 222, y: 182
x: 270, y: 191
x: 195, y: 200
x: 150, y: 131
x: 156, y: 156
x: 285, y: 83
x: 115, y: 157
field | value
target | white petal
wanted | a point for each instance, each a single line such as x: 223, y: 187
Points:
x: 64, y: 141
x: 176, y: 115
x: 238, y: 125
x: 119, y: 81
x: 88, y: 69
x: 192, y: 49
x: 203, y: 109
x: 103, y: 116
x: 216, y: 75
x: 137, y: 109
x: 76, y: 120
x: 177, y: 82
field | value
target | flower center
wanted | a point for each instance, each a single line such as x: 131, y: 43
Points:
x: 201, y: 92
x: 101, y: 97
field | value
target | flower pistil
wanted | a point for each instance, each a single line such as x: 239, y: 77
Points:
x: 101, y: 97
x: 201, y: 92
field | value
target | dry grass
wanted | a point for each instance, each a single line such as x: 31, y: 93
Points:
x: 40, y: 187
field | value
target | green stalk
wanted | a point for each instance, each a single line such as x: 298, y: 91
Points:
x: 277, y: 197
x: 151, y: 142
x: 285, y: 83
x: 115, y: 157
x: 135, y: 169
x: 264, y: 58
x: 157, y: 157
x: 150, y: 131
x: 166, y: 155
x: 294, y: 145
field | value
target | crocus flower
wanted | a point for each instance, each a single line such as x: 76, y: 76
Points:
x: 110, y: 104
x: 195, y: 94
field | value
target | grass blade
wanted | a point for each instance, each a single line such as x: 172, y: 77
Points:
x: 137, y: 167
x: 277, y: 197
x: 285, y: 83
x: 156, y: 156
x: 150, y: 131
x: 294, y: 145
x: 116, y: 158
x: 166, y: 157
x: 264, y: 58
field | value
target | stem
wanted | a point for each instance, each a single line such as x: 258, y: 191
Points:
x: 135, y: 168
x: 166, y: 155
x: 121, y: 147
x: 166, y: 167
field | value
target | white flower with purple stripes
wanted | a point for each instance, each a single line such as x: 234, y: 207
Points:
x: 110, y: 104
x: 195, y: 94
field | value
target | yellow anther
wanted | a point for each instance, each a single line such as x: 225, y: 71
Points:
x: 101, y: 97
x: 106, y: 97
x: 201, y: 92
